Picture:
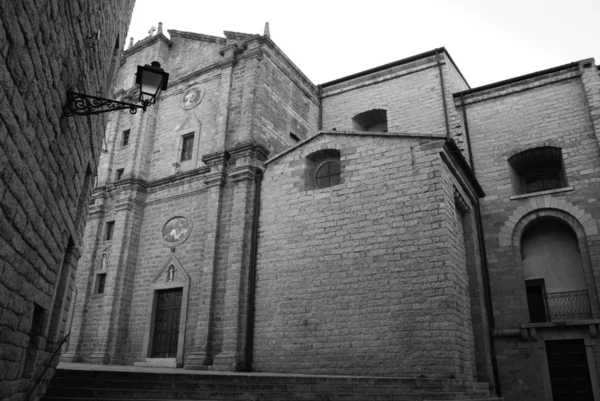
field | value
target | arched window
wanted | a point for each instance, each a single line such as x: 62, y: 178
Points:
x: 323, y: 169
x: 538, y: 169
x: 328, y: 174
x: 554, y: 278
x: 372, y: 120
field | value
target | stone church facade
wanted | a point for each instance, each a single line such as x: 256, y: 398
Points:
x: 395, y: 222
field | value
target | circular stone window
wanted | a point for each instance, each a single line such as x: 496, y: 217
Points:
x: 328, y: 174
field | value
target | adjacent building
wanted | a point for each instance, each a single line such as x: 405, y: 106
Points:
x: 48, y: 164
x: 395, y: 222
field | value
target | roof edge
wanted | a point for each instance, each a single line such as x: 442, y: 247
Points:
x: 402, y: 135
x: 516, y: 79
x: 389, y: 65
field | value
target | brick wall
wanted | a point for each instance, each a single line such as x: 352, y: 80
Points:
x: 413, y: 100
x: 354, y: 279
x: 47, y: 163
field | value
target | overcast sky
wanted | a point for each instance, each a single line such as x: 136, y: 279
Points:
x: 489, y: 40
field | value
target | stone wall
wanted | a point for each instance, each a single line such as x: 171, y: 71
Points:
x: 355, y: 278
x: 48, y: 163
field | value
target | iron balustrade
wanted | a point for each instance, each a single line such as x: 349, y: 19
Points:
x: 568, y: 305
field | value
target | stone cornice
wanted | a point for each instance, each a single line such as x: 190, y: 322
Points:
x: 251, y: 149
x: 516, y: 85
x: 215, y: 158
x: 243, y: 173
x: 178, y: 177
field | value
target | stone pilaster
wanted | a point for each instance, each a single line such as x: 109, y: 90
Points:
x: 245, y: 160
x: 201, y: 355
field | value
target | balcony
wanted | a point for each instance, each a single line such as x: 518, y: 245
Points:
x: 558, y: 306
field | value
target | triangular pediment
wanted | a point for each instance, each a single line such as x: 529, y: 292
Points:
x: 178, y: 272
x: 190, y: 123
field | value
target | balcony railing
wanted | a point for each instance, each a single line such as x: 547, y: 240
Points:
x: 569, y: 305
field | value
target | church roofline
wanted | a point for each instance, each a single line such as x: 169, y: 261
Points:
x: 449, y: 145
x: 146, y: 42
x: 516, y: 79
x: 357, y: 133
x: 198, y: 36
x: 394, y: 64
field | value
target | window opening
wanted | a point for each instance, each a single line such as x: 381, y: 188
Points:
x: 100, y: 283
x: 120, y: 174
x: 125, y: 139
x: 536, y: 300
x: 372, y: 120
x: 538, y: 169
x: 187, y: 147
x: 35, y: 338
x: 110, y: 227
x: 328, y: 174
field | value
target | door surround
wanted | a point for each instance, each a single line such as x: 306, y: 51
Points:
x: 161, y: 282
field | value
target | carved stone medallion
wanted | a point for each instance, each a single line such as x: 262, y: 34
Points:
x: 192, y: 97
x: 176, y: 230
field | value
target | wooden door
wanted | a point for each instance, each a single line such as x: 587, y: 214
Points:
x: 569, y: 371
x: 166, y: 324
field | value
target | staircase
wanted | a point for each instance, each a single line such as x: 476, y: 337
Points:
x: 108, y: 383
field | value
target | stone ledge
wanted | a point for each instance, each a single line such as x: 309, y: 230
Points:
x: 550, y: 191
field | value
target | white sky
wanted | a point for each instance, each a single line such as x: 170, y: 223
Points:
x: 489, y: 40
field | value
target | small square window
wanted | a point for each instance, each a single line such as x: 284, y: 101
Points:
x: 119, y: 174
x: 125, y: 138
x: 100, y: 283
x: 187, y: 146
x: 110, y: 227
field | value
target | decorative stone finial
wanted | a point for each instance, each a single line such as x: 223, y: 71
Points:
x: 159, y: 28
x: 267, y: 32
x: 130, y: 43
x: 151, y: 31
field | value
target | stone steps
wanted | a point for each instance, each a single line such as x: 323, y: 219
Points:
x: 99, y: 385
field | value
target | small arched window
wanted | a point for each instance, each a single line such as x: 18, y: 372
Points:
x: 538, y: 169
x: 328, y: 174
x: 323, y: 169
x: 372, y: 120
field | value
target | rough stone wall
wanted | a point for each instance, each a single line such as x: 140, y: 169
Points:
x: 47, y: 163
x: 355, y: 279
x: 548, y: 110
x: 286, y: 102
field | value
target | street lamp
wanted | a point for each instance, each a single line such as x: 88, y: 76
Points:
x: 151, y: 79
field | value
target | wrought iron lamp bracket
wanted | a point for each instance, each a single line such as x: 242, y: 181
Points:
x: 86, y: 105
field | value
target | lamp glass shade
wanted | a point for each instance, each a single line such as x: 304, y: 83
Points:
x: 152, y: 79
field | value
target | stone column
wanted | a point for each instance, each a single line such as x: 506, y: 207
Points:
x: 201, y: 354
x: 247, y: 159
